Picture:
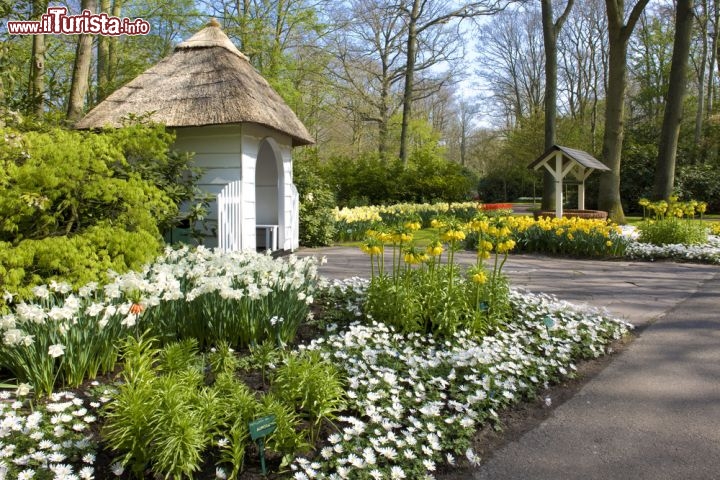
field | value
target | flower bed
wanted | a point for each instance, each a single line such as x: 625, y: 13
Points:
x: 64, y: 337
x: 416, y: 402
x: 570, y: 213
x: 672, y: 232
x: 49, y: 441
x: 413, y: 402
x: 352, y: 223
x: 567, y: 236
x: 705, y: 253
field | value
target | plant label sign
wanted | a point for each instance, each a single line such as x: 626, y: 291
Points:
x: 262, y: 427
x: 259, y: 429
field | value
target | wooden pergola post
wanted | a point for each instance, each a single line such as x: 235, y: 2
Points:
x: 581, y: 174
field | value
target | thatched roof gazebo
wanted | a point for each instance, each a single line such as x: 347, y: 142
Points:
x: 240, y: 129
x: 206, y: 81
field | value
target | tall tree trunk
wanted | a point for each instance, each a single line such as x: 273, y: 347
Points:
x: 551, y: 29
x: 665, y: 167
x: 618, y: 35
x: 700, y: 112
x: 384, y: 118
x: 409, y: 80
x: 609, y: 194
x: 37, y: 75
x: 81, y: 70
x: 103, y: 64
x: 713, y: 58
x: 36, y: 87
x: 112, y: 45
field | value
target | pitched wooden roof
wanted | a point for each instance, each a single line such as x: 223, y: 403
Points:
x: 579, y: 156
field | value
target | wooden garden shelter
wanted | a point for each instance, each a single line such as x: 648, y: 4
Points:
x: 240, y: 129
x: 563, y: 161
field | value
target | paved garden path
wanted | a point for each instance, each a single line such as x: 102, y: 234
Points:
x: 654, y: 412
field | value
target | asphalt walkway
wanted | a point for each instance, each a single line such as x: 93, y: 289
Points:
x: 654, y: 412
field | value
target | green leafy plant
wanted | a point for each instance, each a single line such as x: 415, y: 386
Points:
x: 311, y: 385
x: 222, y: 359
x: 127, y: 417
x: 158, y: 419
x: 672, y: 222
x: 180, y: 357
x: 317, y: 225
x: 262, y: 356
x: 175, y: 407
x: 423, y: 294
x: 289, y: 437
x: 179, y: 432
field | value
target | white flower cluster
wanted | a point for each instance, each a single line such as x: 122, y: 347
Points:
x: 706, y: 253
x: 49, y: 440
x: 181, y: 274
x: 418, y: 401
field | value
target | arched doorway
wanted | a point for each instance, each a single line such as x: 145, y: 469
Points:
x: 268, y: 195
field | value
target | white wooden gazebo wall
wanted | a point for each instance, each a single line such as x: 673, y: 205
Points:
x: 230, y: 153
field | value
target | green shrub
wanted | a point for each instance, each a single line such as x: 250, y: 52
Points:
x: 76, y: 204
x: 311, y: 385
x: 175, y: 408
x: 671, y: 231
x: 77, y: 259
x: 701, y: 180
x: 370, y: 180
x: 317, y: 222
x: 672, y: 222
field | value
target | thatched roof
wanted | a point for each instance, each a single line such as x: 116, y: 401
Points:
x: 206, y: 81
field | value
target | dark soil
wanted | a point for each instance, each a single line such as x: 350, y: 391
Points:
x: 513, y: 424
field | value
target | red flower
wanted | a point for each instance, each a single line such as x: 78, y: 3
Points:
x: 136, y: 308
x: 496, y: 206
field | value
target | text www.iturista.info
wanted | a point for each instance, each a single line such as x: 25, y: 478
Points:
x: 57, y: 21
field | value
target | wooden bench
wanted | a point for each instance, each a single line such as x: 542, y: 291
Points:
x: 271, y: 236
